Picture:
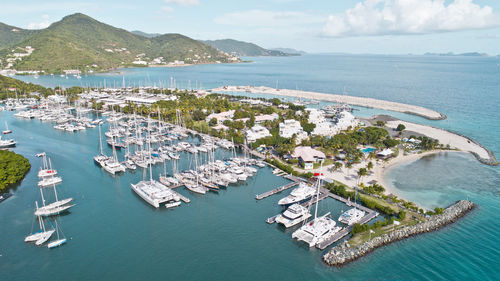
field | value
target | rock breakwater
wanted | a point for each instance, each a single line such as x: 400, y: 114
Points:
x: 343, y: 253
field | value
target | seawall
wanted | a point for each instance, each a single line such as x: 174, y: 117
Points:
x: 343, y: 254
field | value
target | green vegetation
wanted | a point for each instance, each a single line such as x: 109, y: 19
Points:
x: 13, y: 168
x: 400, y: 127
x: 358, y: 228
x: 9, y: 35
x: 241, y: 48
x: 80, y: 42
x: 21, y: 87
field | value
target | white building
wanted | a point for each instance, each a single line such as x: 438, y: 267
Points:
x: 345, y: 120
x: 292, y: 127
x: 256, y: 132
x: 226, y: 115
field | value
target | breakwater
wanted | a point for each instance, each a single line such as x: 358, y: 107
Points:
x: 343, y: 253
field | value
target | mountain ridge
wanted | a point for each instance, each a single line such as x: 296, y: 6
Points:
x: 82, y: 43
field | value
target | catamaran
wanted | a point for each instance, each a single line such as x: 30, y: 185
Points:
x: 299, y: 195
x: 152, y: 191
x: 112, y: 165
x: 320, y: 228
x: 101, y: 158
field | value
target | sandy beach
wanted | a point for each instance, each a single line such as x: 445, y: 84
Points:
x: 445, y: 137
x: 360, y: 101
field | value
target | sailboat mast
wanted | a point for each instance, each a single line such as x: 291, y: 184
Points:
x: 100, y: 140
x: 317, y: 191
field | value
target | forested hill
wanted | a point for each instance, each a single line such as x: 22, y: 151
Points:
x: 83, y: 43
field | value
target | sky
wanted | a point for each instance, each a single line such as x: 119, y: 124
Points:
x: 315, y: 26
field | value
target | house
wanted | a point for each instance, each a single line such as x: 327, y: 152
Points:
x: 384, y: 154
x: 221, y: 117
x: 292, y: 127
x: 307, y: 156
x: 266, y: 117
x: 256, y: 132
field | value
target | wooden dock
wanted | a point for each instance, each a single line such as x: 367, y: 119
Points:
x: 276, y: 190
x: 172, y: 187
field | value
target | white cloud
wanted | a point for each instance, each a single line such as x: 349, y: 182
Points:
x: 183, y: 2
x: 167, y: 9
x: 40, y: 25
x: 263, y: 18
x: 385, y: 17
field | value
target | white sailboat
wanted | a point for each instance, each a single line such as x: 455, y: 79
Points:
x: 6, y: 131
x: 101, y: 158
x: 112, y: 165
x: 319, y: 229
x: 40, y: 236
x: 54, y: 208
x: 59, y: 240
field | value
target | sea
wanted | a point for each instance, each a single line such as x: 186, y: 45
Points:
x: 114, y: 235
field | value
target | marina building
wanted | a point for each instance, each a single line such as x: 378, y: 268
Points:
x: 307, y: 156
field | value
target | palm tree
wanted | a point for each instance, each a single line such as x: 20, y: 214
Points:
x: 369, y: 166
x: 361, y: 173
x: 348, y: 166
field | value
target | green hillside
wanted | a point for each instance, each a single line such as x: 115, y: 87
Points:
x: 21, y: 87
x: 80, y: 42
x: 10, y: 35
x: 240, y: 48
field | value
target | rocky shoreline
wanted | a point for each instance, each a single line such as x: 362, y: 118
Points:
x: 343, y: 254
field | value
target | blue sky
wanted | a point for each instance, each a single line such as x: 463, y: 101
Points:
x: 351, y: 26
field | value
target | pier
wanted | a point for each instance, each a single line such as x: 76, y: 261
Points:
x: 276, y: 190
x: 323, y: 194
x: 183, y: 198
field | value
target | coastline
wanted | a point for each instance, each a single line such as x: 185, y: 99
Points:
x: 343, y: 253
x: 359, y: 101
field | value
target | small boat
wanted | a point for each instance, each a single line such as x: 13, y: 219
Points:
x: 172, y: 204
x: 7, y: 143
x: 6, y: 131
x: 4, y: 196
x: 57, y: 242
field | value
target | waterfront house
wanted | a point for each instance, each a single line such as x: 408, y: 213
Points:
x: 290, y: 127
x: 307, y: 156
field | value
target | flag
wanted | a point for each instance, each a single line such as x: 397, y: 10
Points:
x: 318, y: 174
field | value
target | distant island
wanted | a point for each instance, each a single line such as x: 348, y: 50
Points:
x: 245, y: 49
x: 80, y: 44
x: 451, y: 54
x: 290, y: 51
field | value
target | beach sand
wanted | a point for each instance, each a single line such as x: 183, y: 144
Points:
x: 360, y: 101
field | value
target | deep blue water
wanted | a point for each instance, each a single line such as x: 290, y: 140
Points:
x: 117, y: 236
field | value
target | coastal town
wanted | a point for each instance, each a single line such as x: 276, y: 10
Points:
x: 324, y: 152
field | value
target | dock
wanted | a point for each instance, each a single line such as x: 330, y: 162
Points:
x: 323, y: 194
x: 183, y: 198
x: 276, y: 190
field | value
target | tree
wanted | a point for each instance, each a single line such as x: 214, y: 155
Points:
x: 212, y: 122
x: 337, y: 165
x: 361, y: 173
x: 380, y: 123
x: 348, y: 166
x: 400, y: 128
x: 369, y: 166
x: 401, y: 215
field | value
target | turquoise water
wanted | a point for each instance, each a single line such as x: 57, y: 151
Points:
x: 114, y: 235
x: 367, y: 150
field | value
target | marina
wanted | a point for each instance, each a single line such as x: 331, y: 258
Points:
x: 104, y: 200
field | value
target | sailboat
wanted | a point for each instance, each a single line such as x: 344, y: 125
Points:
x: 59, y: 240
x: 101, y: 158
x: 195, y: 186
x: 112, y: 165
x: 6, y: 131
x: 152, y: 191
x: 320, y: 228
x: 46, y: 174
x: 40, y: 236
x: 54, y: 208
